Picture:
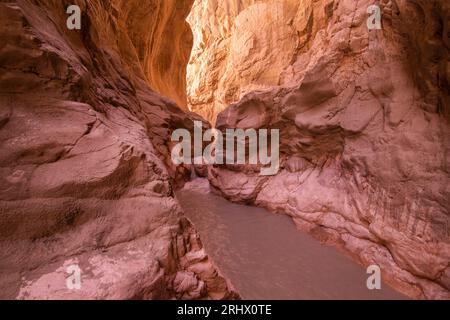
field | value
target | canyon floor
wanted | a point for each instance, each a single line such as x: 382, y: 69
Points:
x: 266, y: 257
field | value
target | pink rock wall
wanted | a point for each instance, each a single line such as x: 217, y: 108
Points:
x: 364, y: 124
x: 83, y: 147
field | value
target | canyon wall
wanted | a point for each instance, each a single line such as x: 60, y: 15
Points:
x: 364, y: 120
x: 245, y: 45
x: 163, y: 42
x: 85, y: 176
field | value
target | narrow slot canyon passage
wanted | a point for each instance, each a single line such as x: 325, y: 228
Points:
x: 94, y: 200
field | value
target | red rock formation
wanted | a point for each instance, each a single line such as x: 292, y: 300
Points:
x: 364, y: 123
x: 83, y: 146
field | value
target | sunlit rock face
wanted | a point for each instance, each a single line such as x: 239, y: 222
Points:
x: 163, y: 42
x: 363, y: 118
x: 245, y: 45
x: 85, y: 173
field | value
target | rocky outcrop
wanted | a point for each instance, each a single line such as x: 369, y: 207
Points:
x: 363, y: 118
x: 85, y: 178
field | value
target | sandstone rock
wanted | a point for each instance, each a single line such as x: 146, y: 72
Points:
x: 83, y: 153
x: 85, y: 172
x: 364, y: 128
x: 245, y: 45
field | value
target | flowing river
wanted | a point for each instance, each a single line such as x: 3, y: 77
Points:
x: 266, y: 257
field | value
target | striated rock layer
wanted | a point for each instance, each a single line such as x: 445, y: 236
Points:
x: 364, y: 119
x: 84, y: 172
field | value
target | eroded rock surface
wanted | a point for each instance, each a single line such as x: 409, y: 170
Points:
x: 245, y: 45
x: 84, y: 172
x: 363, y: 118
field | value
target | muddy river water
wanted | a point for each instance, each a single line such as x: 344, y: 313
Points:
x: 266, y: 257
